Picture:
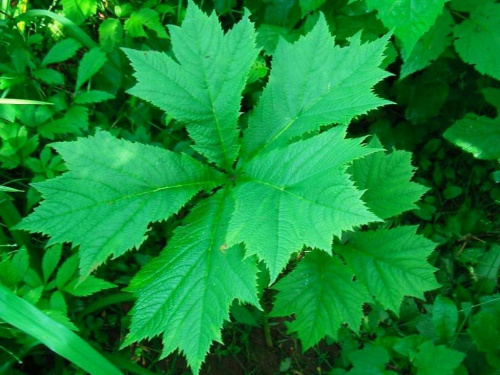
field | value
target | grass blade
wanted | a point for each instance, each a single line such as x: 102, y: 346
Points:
x: 26, y: 317
x: 23, y: 102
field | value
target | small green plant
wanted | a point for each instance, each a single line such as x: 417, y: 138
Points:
x: 258, y: 189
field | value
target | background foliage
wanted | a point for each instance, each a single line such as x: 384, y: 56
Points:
x: 446, y: 97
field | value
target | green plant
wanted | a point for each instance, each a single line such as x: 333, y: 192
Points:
x: 258, y: 188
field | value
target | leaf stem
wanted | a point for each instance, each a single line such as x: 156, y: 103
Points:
x: 179, y: 7
x: 267, y: 331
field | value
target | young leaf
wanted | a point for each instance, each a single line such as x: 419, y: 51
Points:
x: 410, y: 19
x: 61, y: 51
x: 49, y: 76
x: 314, y: 83
x: 90, y: 64
x: 144, y: 18
x: 298, y: 196
x: 476, y: 134
x: 79, y: 10
x: 371, y: 360
x: 92, y: 96
x: 50, y: 261
x: 391, y: 263
x: 203, y: 88
x: 113, y: 190
x: 386, y: 181
x: 186, y: 292
x: 484, y: 329
x: 66, y: 271
x: 477, y: 39
x: 74, y: 121
x: 444, y: 318
x: 322, y: 295
x: 13, y: 270
x: 439, y: 359
x: 88, y: 286
x: 110, y: 34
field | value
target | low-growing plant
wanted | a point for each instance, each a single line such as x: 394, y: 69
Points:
x: 258, y: 188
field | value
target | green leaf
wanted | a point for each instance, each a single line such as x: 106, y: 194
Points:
x: 484, y: 329
x: 314, y: 83
x: 452, y: 192
x: 386, y: 181
x: 487, y: 269
x: 322, y: 296
x: 88, y: 286
x: 146, y: 17
x: 477, y: 39
x: 50, y: 261
x: 110, y: 34
x: 49, y: 76
x: 391, y: 263
x: 113, y: 190
x: 268, y: 37
x: 296, y: 196
x: 492, y: 96
x: 61, y: 51
x: 75, y: 120
x: 89, y: 65
x: 468, y: 5
x: 13, y: 270
x: 186, y: 292
x: 79, y: 10
x: 371, y: 360
x: 408, y: 18
x: 432, y: 44
x: 92, y: 96
x: 55, y: 336
x: 444, y: 318
x: 307, y: 6
x: 203, y: 89
x: 57, y: 302
x: 432, y: 360
x: 66, y: 272
x: 61, y: 318
x: 476, y: 134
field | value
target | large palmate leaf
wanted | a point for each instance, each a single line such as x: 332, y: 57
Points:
x: 323, y: 295
x: 291, y: 186
x: 296, y: 196
x: 314, y: 83
x: 203, y: 87
x: 391, y: 263
x: 478, y: 39
x: 386, y: 181
x: 478, y: 135
x: 185, y: 293
x: 410, y: 19
x: 113, y: 190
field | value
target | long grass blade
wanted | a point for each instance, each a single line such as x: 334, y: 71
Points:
x: 26, y: 317
x: 23, y: 102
